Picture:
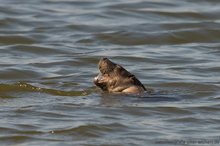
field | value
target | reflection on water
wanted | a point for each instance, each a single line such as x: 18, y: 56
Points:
x: 49, y: 51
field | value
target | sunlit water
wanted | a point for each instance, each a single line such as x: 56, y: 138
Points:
x: 49, y: 50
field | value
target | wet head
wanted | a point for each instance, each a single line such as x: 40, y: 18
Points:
x: 106, y: 66
x: 114, y: 78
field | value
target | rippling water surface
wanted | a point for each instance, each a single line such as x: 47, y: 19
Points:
x: 49, y: 50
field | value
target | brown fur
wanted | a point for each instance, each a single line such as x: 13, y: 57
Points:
x: 114, y: 78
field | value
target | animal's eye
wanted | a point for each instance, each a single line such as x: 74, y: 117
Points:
x: 105, y: 74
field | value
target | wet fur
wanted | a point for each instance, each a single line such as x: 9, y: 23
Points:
x: 114, y: 78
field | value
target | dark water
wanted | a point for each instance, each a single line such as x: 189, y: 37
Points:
x: 49, y: 50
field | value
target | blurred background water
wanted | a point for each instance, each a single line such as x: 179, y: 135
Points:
x: 49, y: 50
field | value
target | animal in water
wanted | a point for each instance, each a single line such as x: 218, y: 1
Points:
x: 116, y: 79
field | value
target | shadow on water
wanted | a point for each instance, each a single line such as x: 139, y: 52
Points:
x: 160, y: 98
x: 138, y: 100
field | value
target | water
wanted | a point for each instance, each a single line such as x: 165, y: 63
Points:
x: 49, y: 51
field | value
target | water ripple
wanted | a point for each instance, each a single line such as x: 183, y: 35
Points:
x: 49, y: 52
x: 25, y: 87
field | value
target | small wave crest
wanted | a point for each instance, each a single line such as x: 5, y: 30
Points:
x: 25, y: 87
